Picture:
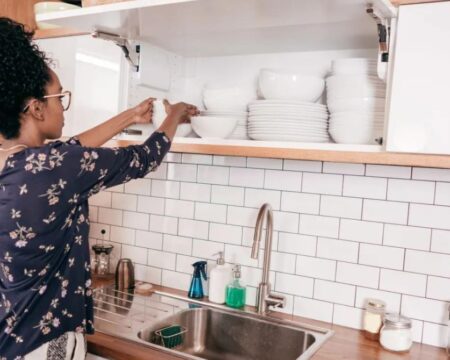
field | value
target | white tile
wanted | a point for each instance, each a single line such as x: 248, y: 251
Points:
x: 229, y: 234
x: 192, y: 228
x: 177, y: 244
x: 195, y: 192
x: 264, y: 163
x: 313, y: 309
x: 401, y: 172
x: 103, y: 198
x: 343, y: 168
x: 334, y: 292
x: 431, y: 174
x: 147, y: 274
x: 176, y: 280
x: 442, y: 194
x: 163, y: 260
x: 316, y: 268
x: 425, y: 309
x: 417, y: 330
x: 427, y: 263
x: 242, y: 216
x: 136, y: 254
x: 343, y: 207
x: 124, y: 201
x: 283, y: 180
x: 337, y: 249
x: 228, y: 195
x: 435, y: 335
x: 438, y: 288
x: 100, y: 231
x: 164, y: 224
x: 148, y: 239
x: 172, y: 157
x: 256, y: 198
x: 319, y: 225
x: 248, y: 235
x: 230, y: 161
x: 250, y: 299
x: 110, y: 216
x: 361, y: 231
x: 407, y: 237
x: 117, y: 188
x: 429, y: 216
x: 252, y: 276
x: 403, y: 282
x: 211, y: 212
x: 303, y: 165
x: 160, y: 173
x: 283, y: 221
x: 411, y: 191
x: 348, y: 316
x: 180, y: 208
x: 213, y: 175
x: 247, y: 177
x: 365, y: 187
x: 385, y: 211
x: 181, y: 172
x: 239, y: 255
x: 184, y: 264
x: 166, y: 189
x: 138, y: 187
x: 282, y: 262
x: 297, y: 244
x: 151, y: 205
x: 136, y: 220
x: 93, y: 214
x: 357, y: 274
x: 196, y: 159
x: 295, y: 285
x: 206, y: 249
x: 322, y: 183
x: 440, y: 241
x: 381, y: 256
x: 300, y: 202
x: 391, y: 299
x: 123, y: 235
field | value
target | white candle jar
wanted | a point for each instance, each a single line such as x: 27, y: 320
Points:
x: 396, y: 333
x: 373, y: 318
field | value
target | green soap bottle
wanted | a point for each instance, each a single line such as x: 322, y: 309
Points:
x: 235, y: 294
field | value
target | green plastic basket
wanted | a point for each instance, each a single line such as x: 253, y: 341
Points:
x: 171, y: 336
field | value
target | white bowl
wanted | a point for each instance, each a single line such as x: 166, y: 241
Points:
x: 231, y: 99
x: 213, y: 127
x: 159, y: 115
x: 287, y: 85
x: 352, y: 66
x: 357, y: 135
x: 354, y: 86
x: 356, y: 104
x: 52, y: 6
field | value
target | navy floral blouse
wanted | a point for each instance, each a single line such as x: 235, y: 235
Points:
x: 45, y: 281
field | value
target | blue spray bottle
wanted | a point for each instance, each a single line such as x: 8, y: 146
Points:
x: 196, y: 288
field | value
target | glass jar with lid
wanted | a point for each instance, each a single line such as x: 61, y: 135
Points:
x: 396, y: 333
x: 373, y: 318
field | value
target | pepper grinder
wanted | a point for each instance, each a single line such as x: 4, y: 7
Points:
x: 124, y: 275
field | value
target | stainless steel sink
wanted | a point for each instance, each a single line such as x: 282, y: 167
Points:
x: 212, y: 332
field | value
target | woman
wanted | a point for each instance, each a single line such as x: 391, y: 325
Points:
x: 45, y: 295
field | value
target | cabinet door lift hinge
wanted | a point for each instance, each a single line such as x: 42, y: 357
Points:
x: 384, y: 32
x: 131, y: 54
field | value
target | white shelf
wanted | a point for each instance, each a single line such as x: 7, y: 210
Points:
x: 194, y: 28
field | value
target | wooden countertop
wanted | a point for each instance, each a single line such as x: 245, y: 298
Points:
x: 345, y: 344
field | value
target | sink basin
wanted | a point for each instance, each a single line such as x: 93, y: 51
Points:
x: 218, y: 335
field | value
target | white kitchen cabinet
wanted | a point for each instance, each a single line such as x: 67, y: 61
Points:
x: 419, y: 110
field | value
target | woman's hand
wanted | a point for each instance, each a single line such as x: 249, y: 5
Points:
x: 181, y: 111
x: 142, y: 113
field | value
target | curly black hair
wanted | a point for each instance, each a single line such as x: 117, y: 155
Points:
x: 24, y: 73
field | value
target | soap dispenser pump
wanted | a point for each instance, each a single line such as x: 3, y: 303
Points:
x: 196, y: 289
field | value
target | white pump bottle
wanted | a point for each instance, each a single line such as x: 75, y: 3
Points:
x: 221, y: 275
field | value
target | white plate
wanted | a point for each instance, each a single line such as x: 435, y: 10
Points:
x: 284, y: 102
x: 288, y: 126
x: 287, y: 107
x: 277, y: 137
x: 292, y: 116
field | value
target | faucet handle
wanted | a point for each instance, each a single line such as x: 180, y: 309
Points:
x: 276, y: 301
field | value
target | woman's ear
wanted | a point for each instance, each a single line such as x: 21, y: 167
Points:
x: 36, y: 109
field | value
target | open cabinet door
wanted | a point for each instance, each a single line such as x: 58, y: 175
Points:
x: 419, y: 112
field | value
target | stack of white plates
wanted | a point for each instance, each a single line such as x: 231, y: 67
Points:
x: 288, y: 120
x: 240, y: 131
x: 355, y: 97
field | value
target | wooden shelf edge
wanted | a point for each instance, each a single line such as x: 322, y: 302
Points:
x: 411, y: 2
x: 57, y: 32
x: 363, y: 157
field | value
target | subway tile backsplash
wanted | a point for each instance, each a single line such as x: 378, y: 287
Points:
x: 342, y: 232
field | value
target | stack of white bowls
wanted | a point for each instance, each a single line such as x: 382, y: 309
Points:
x: 225, y: 106
x: 289, y: 111
x: 355, y: 98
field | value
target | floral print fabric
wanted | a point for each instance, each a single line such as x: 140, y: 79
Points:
x: 45, y: 282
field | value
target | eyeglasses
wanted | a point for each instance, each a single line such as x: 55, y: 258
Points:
x: 65, y: 98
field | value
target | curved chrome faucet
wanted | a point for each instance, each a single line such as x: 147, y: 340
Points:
x: 265, y: 298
